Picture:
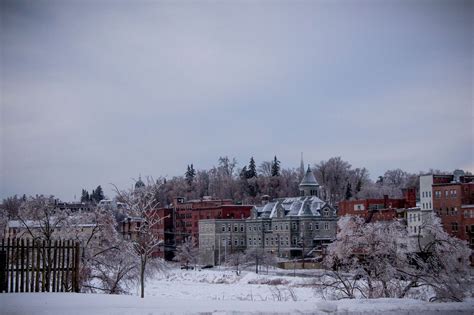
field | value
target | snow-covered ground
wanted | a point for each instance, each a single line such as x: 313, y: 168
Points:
x: 218, y: 292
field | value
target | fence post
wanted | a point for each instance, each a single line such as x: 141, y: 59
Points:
x: 3, y: 266
x: 76, y: 267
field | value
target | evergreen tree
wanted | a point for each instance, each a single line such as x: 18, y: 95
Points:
x: 252, y: 169
x: 97, y: 194
x: 85, y: 196
x: 275, y: 167
x: 190, y: 175
x: 348, y: 191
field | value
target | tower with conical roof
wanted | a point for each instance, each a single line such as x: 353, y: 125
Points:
x: 309, y: 186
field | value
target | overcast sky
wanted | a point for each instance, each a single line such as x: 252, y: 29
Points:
x: 98, y: 92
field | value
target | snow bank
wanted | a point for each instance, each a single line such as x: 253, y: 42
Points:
x: 98, y: 304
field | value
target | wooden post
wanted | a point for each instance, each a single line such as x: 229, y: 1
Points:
x: 67, y: 266
x: 32, y: 284
x: 63, y: 272
x: 3, y: 267
x: 22, y: 265
x: 7, y: 267
x: 58, y: 274
x: 38, y: 263
x: 27, y: 266
x: 53, y: 284
x: 48, y: 274
x: 43, y: 269
x: 76, y: 267
x: 17, y: 265
x: 10, y: 265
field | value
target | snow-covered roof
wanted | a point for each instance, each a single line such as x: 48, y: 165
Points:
x: 293, y: 206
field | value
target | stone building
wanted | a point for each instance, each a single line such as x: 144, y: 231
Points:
x: 286, y: 227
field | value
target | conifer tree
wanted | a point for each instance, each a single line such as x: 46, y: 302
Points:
x: 252, y: 169
x: 97, y: 194
x: 85, y: 196
x: 190, y: 174
x: 275, y: 167
x: 348, y: 191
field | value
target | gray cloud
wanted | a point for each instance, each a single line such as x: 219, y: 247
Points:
x: 97, y: 92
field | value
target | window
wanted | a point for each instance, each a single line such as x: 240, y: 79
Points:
x: 276, y: 227
x: 326, y: 225
x: 316, y: 225
x: 294, y: 225
x: 228, y: 227
x: 310, y: 226
x: 429, y: 194
x: 437, y: 194
x: 236, y: 242
x: 236, y: 228
x: 250, y: 241
x: 326, y: 212
x: 241, y: 228
x: 419, y: 217
x: 452, y: 211
x: 286, y: 226
x: 454, y: 227
x: 446, y: 193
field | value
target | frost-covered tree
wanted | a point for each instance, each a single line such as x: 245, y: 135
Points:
x: 142, y: 202
x: 11, y: 205
x: 237, y: 260
x: 187, y: 253
x: 41, y: 219
x: 380, y: 260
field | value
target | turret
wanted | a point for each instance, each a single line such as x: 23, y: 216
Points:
x: 309, y: 186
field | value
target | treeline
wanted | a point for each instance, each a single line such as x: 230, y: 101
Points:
x: 248, y: 183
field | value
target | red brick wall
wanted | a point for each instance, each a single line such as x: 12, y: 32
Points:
x: 449, y: 207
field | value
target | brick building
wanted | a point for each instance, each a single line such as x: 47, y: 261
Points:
x: 384, y: 209
x: 454, y: 204
x: 285, y: 227
x: 188, y: 214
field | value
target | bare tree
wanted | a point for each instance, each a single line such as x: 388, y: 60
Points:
x: 237, y: 259
x: 142, y: 201
x: 187, y: 252
x: 41, y: 219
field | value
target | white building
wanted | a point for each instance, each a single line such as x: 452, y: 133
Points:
x: 426, y: 192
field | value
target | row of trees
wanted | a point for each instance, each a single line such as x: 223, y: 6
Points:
x: 96, y: 196
x: 247, y: 184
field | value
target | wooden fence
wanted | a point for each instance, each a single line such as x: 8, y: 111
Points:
x: 39, y: 266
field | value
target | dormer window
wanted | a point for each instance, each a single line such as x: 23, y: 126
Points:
x: 326, y: 212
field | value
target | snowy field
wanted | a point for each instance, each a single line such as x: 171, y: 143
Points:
x: 218, y: 292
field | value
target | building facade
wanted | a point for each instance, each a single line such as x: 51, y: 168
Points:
x: 286, y: 227
x: 385, y: 209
